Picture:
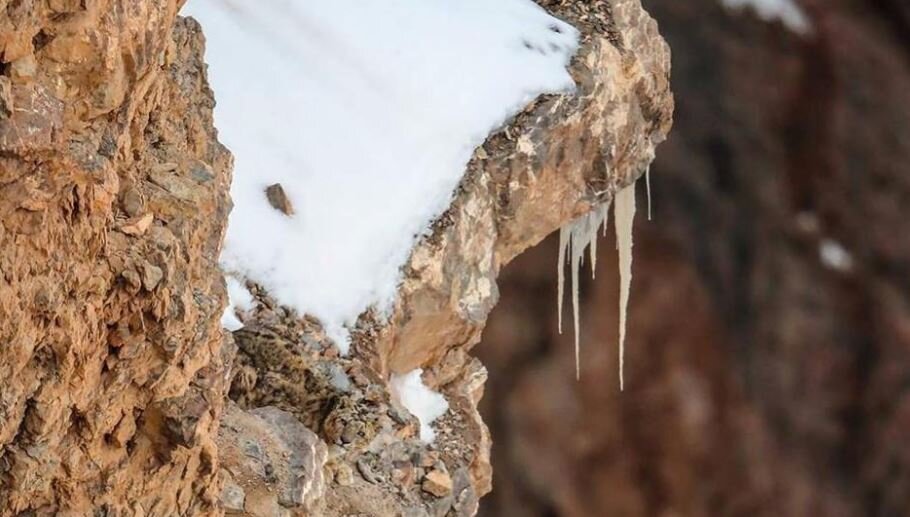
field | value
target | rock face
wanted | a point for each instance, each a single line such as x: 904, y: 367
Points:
x: 763, y: 376
x: 113, y: 201
x: 559, y: 159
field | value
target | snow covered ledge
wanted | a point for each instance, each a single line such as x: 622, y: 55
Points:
x: 561, y: 158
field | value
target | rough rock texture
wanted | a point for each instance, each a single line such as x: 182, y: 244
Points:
x: 560, y: 158
x: 760, y: 381
x: 113, y: 201
x: 271, y: 445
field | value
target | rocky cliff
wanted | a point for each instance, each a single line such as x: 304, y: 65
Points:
x: 121, y: 395
x: 113, y: 199
x: 767, y: 363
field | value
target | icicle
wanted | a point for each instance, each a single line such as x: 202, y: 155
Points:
x: 577, y: 248
x: 574, y: 237
x: 561, y: 270
x: 648, y: 186
x: 592, y: 238
x: 625, y: 216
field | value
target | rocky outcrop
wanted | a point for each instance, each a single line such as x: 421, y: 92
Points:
x: 115, y: 371
x: 559, y: 159
x: 113, y: 202
x: 767, y: 373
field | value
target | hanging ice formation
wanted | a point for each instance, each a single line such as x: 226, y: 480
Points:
x: 582, y: 233
x: 648, y: 185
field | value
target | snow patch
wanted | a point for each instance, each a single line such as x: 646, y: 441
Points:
x: 422, y: 402
x: 366, y: 112
x: 834, y: 256
x: 229, y: 320
x: 787, y: 11
x: 239, y: 299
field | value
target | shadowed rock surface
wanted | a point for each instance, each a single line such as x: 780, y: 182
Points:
x: 762, y: 378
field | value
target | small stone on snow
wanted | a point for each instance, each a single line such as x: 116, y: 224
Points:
x: 279, y: 199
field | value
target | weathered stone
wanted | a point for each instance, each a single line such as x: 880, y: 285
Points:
x: 438, y: 483
x: 137, y: 226
x: 6, y: 98
x: 35, y: 123
x: 276, y: 460
x: 232, y: 495
x: 561, y: 157
x: 279, y: 200
x: 83, y: 426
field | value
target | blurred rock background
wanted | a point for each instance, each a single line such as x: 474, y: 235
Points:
x: 768, y: 357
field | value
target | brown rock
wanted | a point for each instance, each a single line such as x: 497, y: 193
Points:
x: 137, y: 226
x: 275, y: 459
x: 438, y: 483
x: 117, y: 104
x: 35, y: 123
x: 83, y: 367
x: 279, y: 199
x: 564, y: 155
x: 6, y: 98
x: 151, y: 276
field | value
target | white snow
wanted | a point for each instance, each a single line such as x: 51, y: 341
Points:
x: 366, y: 112
x: 420, y: 401
x: 239, y: 299
x: 787, y: 11
x: 834, y: 256
x: 229, y: 319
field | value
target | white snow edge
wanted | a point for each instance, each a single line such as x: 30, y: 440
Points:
x: 367, y: 113
x: 239, y: 299
x: 422, y: 402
